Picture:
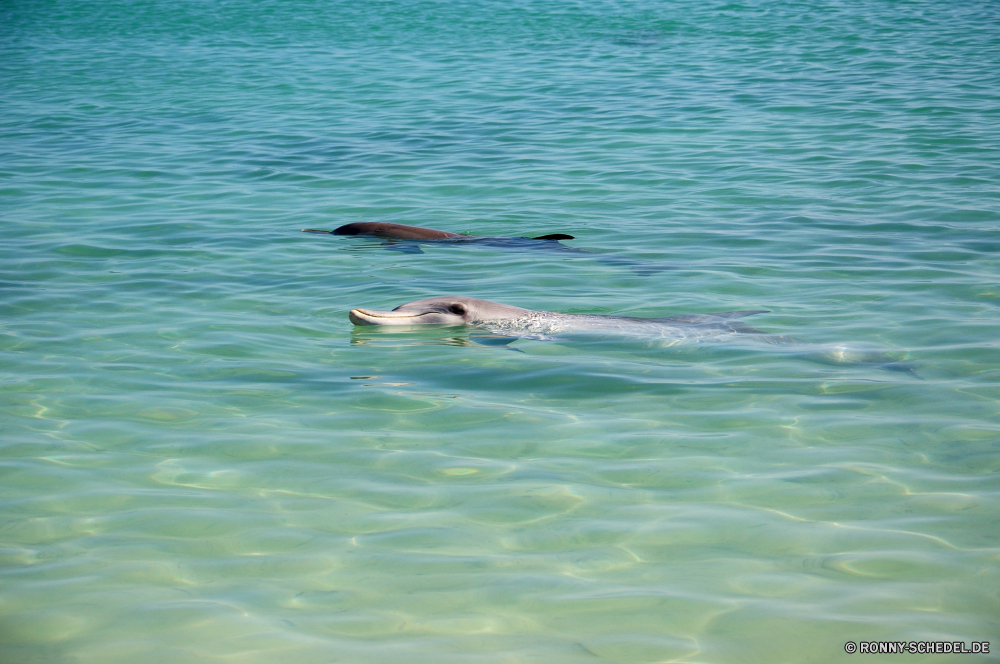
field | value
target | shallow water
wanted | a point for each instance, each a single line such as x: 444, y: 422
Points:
x: 204, y: 460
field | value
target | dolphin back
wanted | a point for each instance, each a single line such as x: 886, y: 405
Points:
x: 554, y: 236
x: 695, y: 319
x: 394, y: 231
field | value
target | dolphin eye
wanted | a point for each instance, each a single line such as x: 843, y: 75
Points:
x: 457, y: 309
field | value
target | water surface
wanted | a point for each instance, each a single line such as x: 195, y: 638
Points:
x: 203, y: 460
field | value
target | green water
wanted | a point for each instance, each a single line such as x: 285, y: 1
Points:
x: 203, y: 460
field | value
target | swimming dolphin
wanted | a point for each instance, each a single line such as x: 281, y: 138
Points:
x: 407, y: 239
x: 392, y: 231
x: 506, y: 322
x: 505, y: 319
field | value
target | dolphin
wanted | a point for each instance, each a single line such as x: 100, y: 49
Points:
x: 504, y: 323
x: 407, y: 239
x: 392, y: 231
x: 508, y: 320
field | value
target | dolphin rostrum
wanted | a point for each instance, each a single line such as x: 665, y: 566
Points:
x: 505, y: 323
x: 407, y: 239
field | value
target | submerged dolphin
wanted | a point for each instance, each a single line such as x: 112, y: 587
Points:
x: 407, y: 239
x: 507, y: 322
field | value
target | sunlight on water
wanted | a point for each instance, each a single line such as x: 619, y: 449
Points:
x: 204, y: 460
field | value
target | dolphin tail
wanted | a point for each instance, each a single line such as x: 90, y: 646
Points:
x: 554, y: 236
x: 314, y: 230
x: 839, y: 354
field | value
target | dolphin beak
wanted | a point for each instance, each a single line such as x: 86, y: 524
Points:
x: 371, y: 317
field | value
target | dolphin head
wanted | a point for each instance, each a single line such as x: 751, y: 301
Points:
x: 448, y: 310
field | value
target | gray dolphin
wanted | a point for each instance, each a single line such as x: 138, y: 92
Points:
x: 505, y: 323
x: 508, y: 320
x: 407, y: 239
x: 393, y: 231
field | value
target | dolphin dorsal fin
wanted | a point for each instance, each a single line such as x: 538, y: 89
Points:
x: 554, y: 236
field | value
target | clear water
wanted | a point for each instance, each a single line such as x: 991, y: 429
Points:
x: 203, y: 460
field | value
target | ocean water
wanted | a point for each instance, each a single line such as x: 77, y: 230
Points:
x: 203, y: 460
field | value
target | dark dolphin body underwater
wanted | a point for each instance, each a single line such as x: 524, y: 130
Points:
x: 407, y: 239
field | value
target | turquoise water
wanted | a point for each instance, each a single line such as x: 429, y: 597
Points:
x: 203, y: 460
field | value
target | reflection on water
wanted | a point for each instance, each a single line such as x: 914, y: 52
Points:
x: 203, y: 460
x: 402, y: 336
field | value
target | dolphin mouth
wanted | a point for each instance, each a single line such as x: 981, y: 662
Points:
x: 372, y: 317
